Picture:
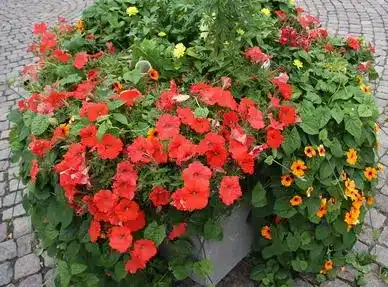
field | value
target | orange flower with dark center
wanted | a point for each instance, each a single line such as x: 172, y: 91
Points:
x: 117, y: 87
x: 298, y: 167
x: 266, y: 232
x: 296, y: 200
x: 287, y: 180
x: 309, y: 151
x: 370, y: 200
x: 153, y: 74
x: 370, y: 173
x: 351, y: 155
x: 327, y: 266
x: 80, y: 25
x: 152, y: 133
x: 321, y: 150
x: 322, y: 211
x: 343, y: 175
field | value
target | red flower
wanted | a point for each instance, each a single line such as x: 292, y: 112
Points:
x: 329, y: 48
x: 129, y: 97
x: 92, y: 75
x: 126, y: 172
x: 80, y: 60
x: 94, y: 230
x: 39, y: 147
x: 213, y: 146
x: 111, y: 48
x: 138, y: 223
x: 49, y: 40
x: 197, y: 172
x: 192, y: 197
x: 244, y: 106
x: 124, y: 189
x: 285, y: 90
x: 144, y: 150
x: 199, y: 125
x: 83, y: 90
x: 274, y: 138
x: 109, y: 147
x: 371, y: 48
x: 89, y: 136
x: 166, y: 100
x: 134, y: 264
x: 105, y: 200
x: 167, y: 126
x: 39, y: 28
x: 177, y: 231
x: 159, y: 196
x: 181, y: 149
x: 143, y: 251
x: 93, y: 110
x: 230, y: 189
x: 287, y: 115
x: 354, y: 43
x: 120, y: 238
x: 281, y: 14
x: 34, y: 170
x: 61, y: 56
x: 127, y: 210
x: 246, y: 162
x: 230, y: 119
x: 363, y: 66
x: 255, y: 55
x: 255, y: 118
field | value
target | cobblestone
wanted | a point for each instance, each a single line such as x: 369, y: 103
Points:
x: 7, y: 250
x: 374, y: 218
x: 22, y: 226
x: 25, y: 244
x: 26, y: 265
x: 5, y: 273
x: 3, y: 231
x: 381, y: 253
x: 32, y: 281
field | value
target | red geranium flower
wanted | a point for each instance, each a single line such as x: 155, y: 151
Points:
x: 177, y: 231
x: 230, y: 119
x: 105, y: 200
x: 49, y: 40
x: 159, y: 196
x: 80, y: 60
x: 93, y: 110
x: 124, y: 189
x: 83, y: 90
x: 137, y: 224
x: 329, y: 48
x: 230, y: 189
x: 94, y: 230
x: 196, y: 172
x: 61, y: 56
x: 244, y: 106
x: 143, y: 251
x: 166, y: 100
x: 246, y: 162
x: 120, y: 238
x: 167, y: 126
x: 129, y: 97
x: 255, y: 55
x: 274, y: 138
x: 213, y: 146
x: 39, y: 28
x: 287, y: 115
x: 181, y: 149
x: 34, y: 170
x: 109, y: 147
x: 199, y: 125
x: 144, y: 150
x: 89, y: 136
x: 39, y: 147
x: 354, y: 43
x: 281, y: 14
x: 285, y: 90
x: 134, y: 264
x: 127, y: 210
x: 255, y: 118
x: 192, y: 197
x: 111, y: 48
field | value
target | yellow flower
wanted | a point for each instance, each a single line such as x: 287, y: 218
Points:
x: 266, y: 232
x: 359, y: 79
x: 179, y: 50
x: 80, y: 25
x: 370, y: 173
x: 265, y: 11
x: 322, y: 211
x: 298, y: 167
x: 296, y: 200
x: 350, y: 184
x: 162, y: 34
x: 298, y: 64
x: 351, y: 155
x: 309, y: 191
x: 366, y: 89
x: 292, y: 2
x: 380, y: 167
x: 321, y: 150
x: 377, y: 128
x: 132, y: 11
x: 287, y: 180
x: 327, y: 266
x: 309, y: 151
x: 240, y: 31
x: 370, y: 200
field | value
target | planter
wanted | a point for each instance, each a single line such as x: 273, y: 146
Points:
x: 225, y: 254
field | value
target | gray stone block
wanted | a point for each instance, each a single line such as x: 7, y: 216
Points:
x: 336, y: 283
x: 49, y: 278
x: 347, y: 273
x: 12, y: 199
x: 374, y: 218
x: 383, y: 239
x: 360, y: 247
x: 366, y: 235
x: 381, y: 202
x: 32, y: 281
x: 226, y: 254
x: 3, y: 231
x: 26, y: 265
x: 372, y: 280
x: 16, y: 211
x: 7, y: 250
x: 25, y: 244
x: 5, y: 273
x: 21, y: 226
x: 381, y: 253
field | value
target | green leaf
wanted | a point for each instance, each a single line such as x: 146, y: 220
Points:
x: 324, y: 115
x: 353, y: 125
x: 322, y: 231
x: 64, y: 273
x: 283, y: 208
x: 325, y: 170
x: 337, y: 114
x: 133, y: 76
x: 305, y: 238
x: 259, y: 198
x: 91, y: 280
x: 155, y: 232
x: 102, y: 129
x: 342, y: 94
x: 181, y: 270
x: 310, y: 124
x: 120, y: 118
x: 269, y: 160
x: 299, y: 265
x: 292, y: 242
x: 313, y: 97
x: 336, y: 148
x: 213, y: 230
x: 40, y: 124
x: 77, y: 268
x: 365, y: 111
x: 120, y: 271
x: 70, y: 79
x: 115, y: 105
x: 201, y: 112
x: 291, y: 141
x: 203, y: 268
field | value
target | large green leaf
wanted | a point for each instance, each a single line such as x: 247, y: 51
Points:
x: 259, y: 198
x: 155, y: 232
x: 291, y: 141
x: 213, y: 230
x: 353, y: 125
x: 40, y: 124
x: 64, y: 273
x: 283, y: 208
x: 203, y: 268
x: 337, y: 114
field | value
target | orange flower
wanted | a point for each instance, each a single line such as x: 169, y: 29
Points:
x: 309, y: 151
x: 278, y: 219
x: 322, y: 211
x: 351, y: 155
x: 370, y: 173
x: 327, y: 266
x: 350, y: 184
x: 370, y: 200
x: 321, y: 150
x: 152, y: 133
x: 296, y: 200
x: 266, y: 232
x: 65, y: 128
x: 153, y: 74
x: 380, y: 167
x: 344, y: 175
x: 117, y: 87
x: 80, y: 25
x: 287, y: 180
x: 298, y: 167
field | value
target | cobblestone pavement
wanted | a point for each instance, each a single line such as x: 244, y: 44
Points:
x: 20, y: 266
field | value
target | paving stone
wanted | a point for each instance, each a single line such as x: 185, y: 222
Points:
x: 49, y: 278
x: 21, y: 226
x: 381, y: 202
x: 48, y: 261
x: 25, y: 244
x: 374, y: 218
x: 372, y: 280
x: 18, y: 210
x: 336, y: 283
x: 6, y: 273
x: 7, y: 250
x: 360, y: 247
x: 2, y: 187
x: 347, y: 273
x: 26, y: 265
x: 12, y: 198
x: 383, y: 239
x: 32, y: 281
x: 3, y: 231
x: 366, y: 235
x: 381, y: 253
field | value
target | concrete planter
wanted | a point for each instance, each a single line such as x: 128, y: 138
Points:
x: 226, y: 254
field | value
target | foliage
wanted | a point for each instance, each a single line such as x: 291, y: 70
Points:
x: 149, y: 120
